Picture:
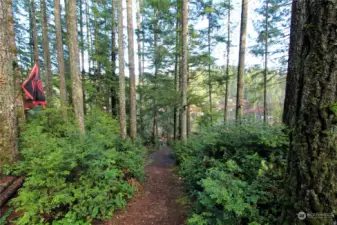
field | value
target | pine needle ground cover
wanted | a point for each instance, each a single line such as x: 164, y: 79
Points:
x: 74, y: 179
x: 234, y: 174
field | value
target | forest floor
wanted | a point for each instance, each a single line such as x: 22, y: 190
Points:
x: 161, y: 201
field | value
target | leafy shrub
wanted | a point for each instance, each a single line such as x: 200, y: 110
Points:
x: 234, y: 173
x: 72, y: 179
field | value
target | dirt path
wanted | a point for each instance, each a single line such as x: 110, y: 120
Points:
x: 158, y: 203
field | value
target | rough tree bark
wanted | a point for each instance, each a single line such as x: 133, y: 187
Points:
x: 131, y: 52
x: 18, y: 90
x: 227, y: 63
x: 60, y: 53
x: 82, y: 54
x: 122, y: 113
x: 185, y: 69
x: 46, y: 50
x: 76, y: 81
x: 8, y: 118
x: 310, y: 112
x: 241, y: 66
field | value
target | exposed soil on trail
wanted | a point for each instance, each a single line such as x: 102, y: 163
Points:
x: 157, y: 204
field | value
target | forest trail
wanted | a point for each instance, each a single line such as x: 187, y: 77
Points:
x: 157, y: 204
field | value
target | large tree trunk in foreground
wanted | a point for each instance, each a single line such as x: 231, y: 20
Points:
x: 310, y: 111
x: 76, y: 80
x: 8, y: 119
x: 131, y: 51
x: 46, y: 50
x: 60, y: 53
x: 122, y: 113
x: 17, y: 73
x: 241, y: 66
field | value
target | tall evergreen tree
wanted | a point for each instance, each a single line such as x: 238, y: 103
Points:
x: 122, y: 113
x: 46, y: 49
x: 241, y: 66
x: 76, y: 80
x: 131, y: 51
x: 184, y: 68
x: 60, y: 53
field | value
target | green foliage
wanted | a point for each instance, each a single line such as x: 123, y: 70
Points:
x: 72, y: 179
x: 235, y: 173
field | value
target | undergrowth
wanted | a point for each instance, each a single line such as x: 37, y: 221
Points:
x: 73, y: 179
x: 234, y: 173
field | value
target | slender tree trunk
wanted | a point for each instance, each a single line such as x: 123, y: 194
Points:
x: 46, y: 51
x: 265, y: 106
x: 310, y: 111
x: 88, y: 34
x: 140, y: 71
x: 227, y: 55
x: 82, y: 54
x: 34, y: 33
x: 113, y: 61
x: 185, y: 69
x: 8, y: 117
x: 155, y: 111
x: 75, y: 72
x: 60, y: 53
x: 241, y: 66
x: 122, y: 114
x: 133, y: 111
x: 209, y: 66
x: 176, y: 77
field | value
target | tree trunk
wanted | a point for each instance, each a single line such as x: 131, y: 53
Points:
x: 76, y: 81
x: 265, y: 119
x: 310, y: 112
x: 113, y: 60
x: 18, y: 90
x: 60, y: 53
x: 82, y: 55
x: 133, y: 112
x: 140, y: 69
x: 122, y: 116
x: 46, y: 51
x: 8, y: 117
x: 241, y: 66
x: 34, y: 33
x: 227, y: 55
x: 185, y: 69
x: 88, y: 34
x: 155, y: 111
x: 209, y: 66
x: 176, y: 76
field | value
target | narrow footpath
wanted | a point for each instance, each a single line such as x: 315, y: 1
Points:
x: 159, y: 202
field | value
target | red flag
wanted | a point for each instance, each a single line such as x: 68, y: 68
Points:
x: 33, y: 88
